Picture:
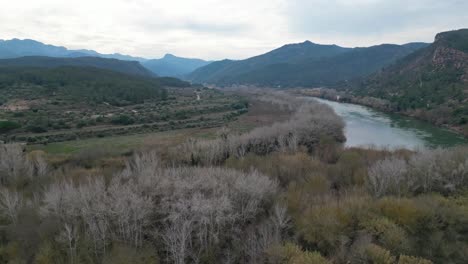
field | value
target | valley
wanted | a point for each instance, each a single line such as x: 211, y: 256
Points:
x: 306, y: 154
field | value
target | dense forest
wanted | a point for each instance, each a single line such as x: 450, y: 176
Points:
x: 83, y: 83
x: 305, y: 64
x: 284, y: 193
x: 125, y: 67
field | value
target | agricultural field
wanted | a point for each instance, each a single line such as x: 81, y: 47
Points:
x: 56, y: 119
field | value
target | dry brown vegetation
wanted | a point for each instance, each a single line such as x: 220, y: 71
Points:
x: 285, y: 193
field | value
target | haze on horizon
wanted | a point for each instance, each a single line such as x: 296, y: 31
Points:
x: 217, y: 29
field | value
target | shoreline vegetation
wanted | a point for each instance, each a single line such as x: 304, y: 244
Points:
x: 282, y: 192
x: 375, y: 103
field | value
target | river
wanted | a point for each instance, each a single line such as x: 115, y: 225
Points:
x: 367, y: 127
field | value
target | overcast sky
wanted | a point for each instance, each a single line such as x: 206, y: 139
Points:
x: 217, y: 29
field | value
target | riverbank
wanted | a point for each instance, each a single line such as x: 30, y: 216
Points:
x: 377, y: 104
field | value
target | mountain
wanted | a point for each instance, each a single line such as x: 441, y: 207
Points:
x: 173, y: 66
x: 304, y: 64
x: 127, y: 67
x: 431, y: 83
x: 15, y: 48
x: 169, y: 65
x: 227, y: 71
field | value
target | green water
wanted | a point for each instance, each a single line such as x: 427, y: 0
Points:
x: 367, y: 127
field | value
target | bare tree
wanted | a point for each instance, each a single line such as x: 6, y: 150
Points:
x: 310, y: 121
x: 176, y: 237
x: 10, y: 204
x: 129, y: 211
x: 442, y: 170
x: 70, y: 236
x: 13, y: 163
x: 388, y: 177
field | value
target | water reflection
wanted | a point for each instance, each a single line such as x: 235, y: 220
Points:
x: 365, y: 127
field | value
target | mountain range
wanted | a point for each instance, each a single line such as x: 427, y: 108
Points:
x: 303, y: 64
x: 169, y: 65
x: 429, y: 81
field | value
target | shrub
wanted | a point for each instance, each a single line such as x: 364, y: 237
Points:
x: 123, y: 120
x: 6, y: 126
x: 378, y: 255
x: 36, y: 129
x: 412, y: 260
x: 293, y: 254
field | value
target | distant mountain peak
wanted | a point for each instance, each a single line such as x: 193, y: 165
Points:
x: 169, y: 56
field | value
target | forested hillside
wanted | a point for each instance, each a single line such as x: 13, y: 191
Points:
x: 127, y: 67
x: 306, y: 64
x: 173, y: 66
x: 431, y: 83
x: 80, y: 83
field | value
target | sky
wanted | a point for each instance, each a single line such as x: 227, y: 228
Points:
x: 218, y: 29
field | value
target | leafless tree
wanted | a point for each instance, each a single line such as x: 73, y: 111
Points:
x: 13, y: 163
x: 10, y: 204
x: 129, y: 211
x: 442, y: 170
x: 176, y: 237
x: 387, y: 176
x: 70, y: 236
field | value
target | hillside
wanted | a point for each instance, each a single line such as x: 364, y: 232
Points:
x: 173, y: 66
x: 228, y: 71
x: 304, y: 64
x: 431, y: 83
x: 127, y: 67
x: 62, y: 100
x: 78, y: 84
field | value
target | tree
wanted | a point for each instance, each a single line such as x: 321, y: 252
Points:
x: 11, y: 203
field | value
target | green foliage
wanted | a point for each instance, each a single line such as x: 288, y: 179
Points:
x: 122, y: 254
x: 403, y: 259
x: 457, y: 39
x: 377, y: 255
x: 293, y: 254
x: 88, y: 84
x: 123, y: 120
x: 47, y: 254
x: 304, y: 64
x: 388, y: 234
x: 121, y: 66
x: 428, y: 84
x: 6, y: 126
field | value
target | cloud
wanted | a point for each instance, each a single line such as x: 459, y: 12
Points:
x: 216, y: 29
x: 366, y: 19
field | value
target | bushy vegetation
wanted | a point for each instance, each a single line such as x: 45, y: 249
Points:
x: 310, y: 124
x: 270, y: 201
x: 35, y: 114
x: 84, y: 84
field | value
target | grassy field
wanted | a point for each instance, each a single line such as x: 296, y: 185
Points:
x: 122, y: 144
